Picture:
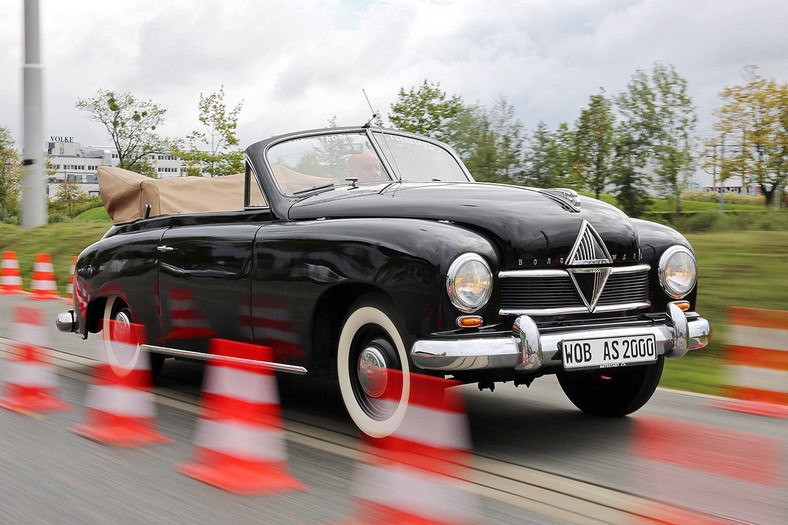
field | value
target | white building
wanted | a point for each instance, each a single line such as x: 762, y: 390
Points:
x: 71, y: 161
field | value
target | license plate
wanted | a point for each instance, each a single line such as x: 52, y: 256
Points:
x: 608, y: 352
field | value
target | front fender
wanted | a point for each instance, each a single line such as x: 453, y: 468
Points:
x: 316, y: 268
x: 654, y: 240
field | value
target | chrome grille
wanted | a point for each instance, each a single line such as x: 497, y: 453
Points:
x: 552, y: 293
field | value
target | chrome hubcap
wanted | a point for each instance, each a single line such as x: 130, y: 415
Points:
x: 372, y: 374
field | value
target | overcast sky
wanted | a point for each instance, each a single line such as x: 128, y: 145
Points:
x: 297, y: 63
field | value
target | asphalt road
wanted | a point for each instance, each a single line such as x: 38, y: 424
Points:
x: 536, y: 458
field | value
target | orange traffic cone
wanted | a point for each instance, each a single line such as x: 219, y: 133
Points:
x: 120, y: 409
x: 31, y: 384
x: 756, y: 362
x: 70, y: 285
x: 411, y: 475
x: 187, y: 322
x: 43, y: 283
x: 239, y: 442
x: 10, y: 277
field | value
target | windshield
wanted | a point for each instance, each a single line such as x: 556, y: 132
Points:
x: 310, y: 163
x: 418, y: 160
x: 306, y: 164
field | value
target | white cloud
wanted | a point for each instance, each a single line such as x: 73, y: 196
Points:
x: 299, y: 63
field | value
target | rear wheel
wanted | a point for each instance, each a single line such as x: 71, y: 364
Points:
x: 370, y: 347
x: 122, y: 358
x: 612, y: 392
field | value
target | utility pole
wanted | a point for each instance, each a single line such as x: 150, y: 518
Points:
x: 34, y: 204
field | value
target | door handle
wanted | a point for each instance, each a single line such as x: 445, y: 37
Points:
x: 164, y: 248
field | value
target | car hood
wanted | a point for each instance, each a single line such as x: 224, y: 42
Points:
x: 528, y: 226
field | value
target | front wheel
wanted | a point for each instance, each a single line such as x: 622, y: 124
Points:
x: 370, y: 351
x: 612, y: 392
x: 123, y: 358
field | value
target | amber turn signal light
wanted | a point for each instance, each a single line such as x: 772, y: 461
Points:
x: 684, y: 305
x: 469, y: 321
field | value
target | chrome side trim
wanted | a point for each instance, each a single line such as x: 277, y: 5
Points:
x: 528, y: 350
x: 174, y: 352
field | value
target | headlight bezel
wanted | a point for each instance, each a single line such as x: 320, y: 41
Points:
x: 457, y: 299
x: 665, y: 262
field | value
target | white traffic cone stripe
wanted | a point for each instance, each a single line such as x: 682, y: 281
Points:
x: 11, y: 263
x: 416, y: 492
x: 127, y: 351
x: 32, y: 335
x: 242, y: 440
x: 7, y: 280
x: 274, y: 314
x: 184, y: 321
x: 43, y: 267
x: 121, y: 401
x: 435, y: 428
x: 25, y: 373
x: 47, y: 285
x: 279, y: 335
x: 758, y: 337
x: 760, y: 378
x: 241, y: 384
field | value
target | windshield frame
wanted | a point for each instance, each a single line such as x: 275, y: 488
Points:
x: 376, y: 137
x: 373, y: 132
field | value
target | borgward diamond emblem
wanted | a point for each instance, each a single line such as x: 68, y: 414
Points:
x: 588, y: 253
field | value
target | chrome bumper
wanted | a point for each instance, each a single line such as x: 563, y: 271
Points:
x: 527, y: 350
x: 66, y: 322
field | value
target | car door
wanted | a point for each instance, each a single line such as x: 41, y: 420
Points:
x: 204, y: 280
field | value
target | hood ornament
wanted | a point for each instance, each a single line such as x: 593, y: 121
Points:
x: 587, y: 255
x: 565, y: 196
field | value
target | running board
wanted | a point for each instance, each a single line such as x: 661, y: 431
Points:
x: 174, y: 352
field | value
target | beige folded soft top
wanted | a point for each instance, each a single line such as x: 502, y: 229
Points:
x: 126, y: 193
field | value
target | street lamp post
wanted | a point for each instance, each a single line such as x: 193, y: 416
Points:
x: 34, y: 205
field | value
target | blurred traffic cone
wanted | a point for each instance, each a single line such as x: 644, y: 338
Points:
x: 694, y: 473
x: 239, y: 443
x: 43, y: 283
x: 756, y: 362
x: 10, y: 277
x: 70, y: 285
x: 411, y: 475
x: 31, y: 384
x: 186, y: 321
x: 120, y: 409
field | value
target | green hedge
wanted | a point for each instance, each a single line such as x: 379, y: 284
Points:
x: 713, y: 221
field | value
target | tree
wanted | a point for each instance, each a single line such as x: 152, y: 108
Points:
x: 594, y: 143
x: 627, y: 174
x: 211, y: 150
x: 548, y: 157
x: 754, y: 120
x: 427, y: 111
x: 660, y: 121
x: 69, y: 196
x: 10, y: 174
x: 490, y: 141
x: 131, y: 124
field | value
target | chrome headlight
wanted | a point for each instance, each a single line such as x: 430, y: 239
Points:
x: 678, y: 271
x: 469, y: 282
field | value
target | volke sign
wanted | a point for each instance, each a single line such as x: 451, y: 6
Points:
x: 61, y: 139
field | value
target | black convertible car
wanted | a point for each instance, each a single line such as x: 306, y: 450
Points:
x: 351, y: 251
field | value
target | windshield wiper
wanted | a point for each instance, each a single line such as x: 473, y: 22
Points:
x: 315, y: 188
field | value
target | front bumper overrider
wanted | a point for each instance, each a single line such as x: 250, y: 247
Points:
x: 528, y: 350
